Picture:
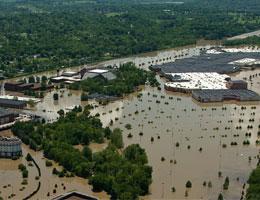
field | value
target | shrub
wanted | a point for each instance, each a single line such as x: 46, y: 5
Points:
x: 55, y: 96
x: 29, y: 157
x: 188, y: 184
x: 21, y: 167
x: 48, y: 163
x: 25, y: 173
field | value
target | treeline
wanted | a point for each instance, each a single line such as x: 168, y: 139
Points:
x: 38, y: 35
x: 123, y: 175
x: 128, y: 78
x: 252, y: 41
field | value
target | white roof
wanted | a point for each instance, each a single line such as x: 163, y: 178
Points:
x: 213, y: 51
x: 244, y: 61
x: 58, y: 78
x: 242, y: 49
x: 20, y: 98
x: 199, y: 80
x: 98, y: 71
x: 65, y: 78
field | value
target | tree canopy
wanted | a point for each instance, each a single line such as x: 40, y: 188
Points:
x: 123, y: 175
x: 38, y: 35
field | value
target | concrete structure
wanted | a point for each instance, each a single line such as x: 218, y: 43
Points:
x: 187, y: 82
x: 7, y: 116
x: 101, y: 73
x: 236, y: 84
x: 206, y: 96
x: 10, y: 147
x: 74, y: 195
x: 12, y: 103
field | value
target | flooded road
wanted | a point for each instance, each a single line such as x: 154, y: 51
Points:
x: 143, y: 60
x: 245, y: 35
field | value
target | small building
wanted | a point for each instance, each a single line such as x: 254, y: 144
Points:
x: 10, y: 147
x: 7, y: 116
x: 21, y: 87
x: 12, y: 103
x: 101, y: 73
x: 236, y: 84
x: 17, y: 86
x: 74, y: 195
x: 11, y: 86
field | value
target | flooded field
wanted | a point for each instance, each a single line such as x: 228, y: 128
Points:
x: 184, y: 141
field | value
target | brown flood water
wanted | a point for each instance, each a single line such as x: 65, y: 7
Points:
x: 176, y: 123
x: 10, y: 175
x: 179, y: 119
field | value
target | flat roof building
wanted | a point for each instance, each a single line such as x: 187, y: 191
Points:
x: 12, y: 103
x: 186, y: 82
x: 206, y: 96
x: 10, y: 147
x: 17, y: 86
x: 7, y: 116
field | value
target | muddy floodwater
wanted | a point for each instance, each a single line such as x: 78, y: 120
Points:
x: 11, y: 179
x: 184, y: 140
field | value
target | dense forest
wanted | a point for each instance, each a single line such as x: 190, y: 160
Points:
x: 37, y: 35
x: 122, y: 173
x: 128, y: 78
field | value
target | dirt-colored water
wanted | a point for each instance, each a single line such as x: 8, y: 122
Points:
x: 179, y: 127
x: 12, y: 178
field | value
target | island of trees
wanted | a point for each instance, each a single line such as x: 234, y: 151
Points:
x: 122, y: 173
x: 128, y: 78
